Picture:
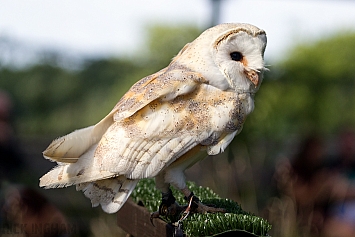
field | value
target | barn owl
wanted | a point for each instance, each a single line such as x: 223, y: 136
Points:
x: 159, y: 128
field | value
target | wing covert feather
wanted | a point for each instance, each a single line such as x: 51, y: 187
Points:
x: 166, y: 84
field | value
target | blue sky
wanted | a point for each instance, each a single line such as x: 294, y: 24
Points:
x: 112, y: 27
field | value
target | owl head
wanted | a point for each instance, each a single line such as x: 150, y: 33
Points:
x: 230, y: 56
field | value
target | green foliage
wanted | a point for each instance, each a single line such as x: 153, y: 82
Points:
x: 204, y: 224
x: 50, y: 99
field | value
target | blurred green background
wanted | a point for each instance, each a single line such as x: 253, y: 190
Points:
x: 309, y: 91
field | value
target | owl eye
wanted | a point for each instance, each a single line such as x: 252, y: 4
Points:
x: 236, y: 56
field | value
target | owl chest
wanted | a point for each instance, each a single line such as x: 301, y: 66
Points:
x: 223, y: 113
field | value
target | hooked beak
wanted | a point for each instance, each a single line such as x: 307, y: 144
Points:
x: 253, y: 76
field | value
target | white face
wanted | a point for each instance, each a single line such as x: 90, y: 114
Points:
x: 229, y: 56
x: 240, y: 59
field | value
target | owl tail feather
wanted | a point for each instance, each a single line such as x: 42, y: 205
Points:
x: 71, y: 147
x: 83, y: 171
x: 111, y: 193
x: 61, y: 177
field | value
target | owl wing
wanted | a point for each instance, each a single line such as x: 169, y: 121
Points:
x: 145, y: 137
x: 138, y: 140
x: 168, y: 83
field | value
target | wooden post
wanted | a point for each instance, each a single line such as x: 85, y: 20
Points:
x: 135, y: 220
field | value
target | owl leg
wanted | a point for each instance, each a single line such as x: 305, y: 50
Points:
x: 175, y: 176
x: 168, y: 207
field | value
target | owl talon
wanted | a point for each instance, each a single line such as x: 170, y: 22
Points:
x: 153, y: 216
x: 195, y: 206
x: 188, y: 208
x: 168, y: 207
x: 202, y: 208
